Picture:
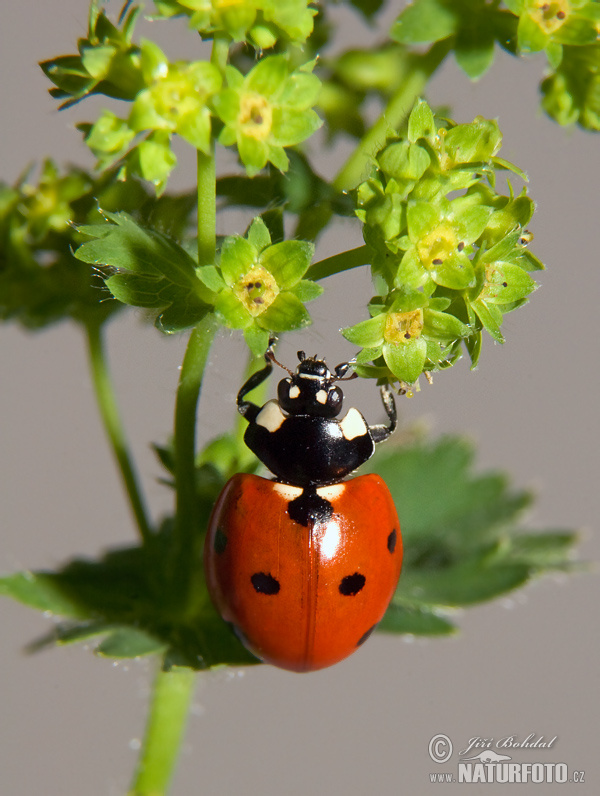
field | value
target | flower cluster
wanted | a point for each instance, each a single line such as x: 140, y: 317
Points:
x: 262, y: 112
x: 262, y: 22
x: 550, y: 25
x: 40, y: 282
x: 567, y: 31
x: 447, y: 250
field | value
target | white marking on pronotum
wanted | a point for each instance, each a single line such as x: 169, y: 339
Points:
x: 353, y: 425
x: 321, y: 396
x: 315, y: 376
x: 286, y: 491
x: 270, y: 416
x: 294, y: 391
x: 331, y: 492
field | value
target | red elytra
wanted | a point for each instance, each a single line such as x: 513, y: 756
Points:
x: 303, y: 596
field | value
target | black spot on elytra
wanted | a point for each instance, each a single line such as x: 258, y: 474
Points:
x: 365, y: 636
x: 391, y: 541
x: 220, y: 541
x: 352, y: 584
x: 264, y: 583
x: 310, y: 507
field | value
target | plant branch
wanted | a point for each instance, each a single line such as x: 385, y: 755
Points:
x: 337, y: 263
x: 173, y: 691
x: 207, y: 208
x: 113, y: 425
x: 419, y: 71
x: 187, y: 530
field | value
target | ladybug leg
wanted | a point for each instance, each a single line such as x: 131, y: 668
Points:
x: 381, y: 432
x: 246, y: 408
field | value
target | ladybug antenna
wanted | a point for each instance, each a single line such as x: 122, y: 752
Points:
x: 271, y: 356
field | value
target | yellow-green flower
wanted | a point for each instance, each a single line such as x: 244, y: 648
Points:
x: 267, y: 110
x: 176, y: 100
x: 407, y: 334
x: 261, y: 285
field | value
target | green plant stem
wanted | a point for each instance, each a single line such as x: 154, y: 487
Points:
x: 173, y: 691
x: 188, y: 532
x: 207, y: 208
x: 419, y: 70
x: 113, y: 426
x: 338, y: 263
x: 220, y: 50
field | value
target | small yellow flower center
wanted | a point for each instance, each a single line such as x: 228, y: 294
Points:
x: 439, y: 244
x: 550, y: 16
x: 256, y: 290
x: 174, y: 97
x: 256, y: 116
x: 400, y: 327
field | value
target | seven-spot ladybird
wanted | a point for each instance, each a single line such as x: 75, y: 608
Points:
x: 303, y: 566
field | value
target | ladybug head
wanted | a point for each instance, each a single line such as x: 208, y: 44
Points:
x: 311, y: 389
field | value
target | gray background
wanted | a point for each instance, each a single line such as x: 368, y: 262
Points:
x: 70, y: 722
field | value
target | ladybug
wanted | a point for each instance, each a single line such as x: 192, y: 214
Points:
x: 304, y: 565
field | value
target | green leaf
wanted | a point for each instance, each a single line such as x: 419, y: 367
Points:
x: 507, y: 283
x: 530, y: 35
x: 40, y: 590
x: 416, y: 620
x: 421, y: 123
x: 422, y: 218
x: 307, y: 290
x: 467, y: 583
x: 405, y: 162
x: 490, y: 316
x: 128, y: 642
x: 185, y: 311
x: 268, y: 76
x: 474, y: 51
x: 137, y: 290
x: 123, y: 244
x: 286, y: 313
x: 474, y: 142
x: 257, y: 339
x: 237, y: 257
x: 232, y: 311
x: 442, y: 326
x: 406, y: 360
x: 367, y: 333
x: 258, y: 234
x: 446, y: 511
x: 462, y: 540
x: 288, y: 261
x: 548, y: 550
x: 425, y: 21
x: 455, y: 272
x: 530, y: 262
x: 152, y: 271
